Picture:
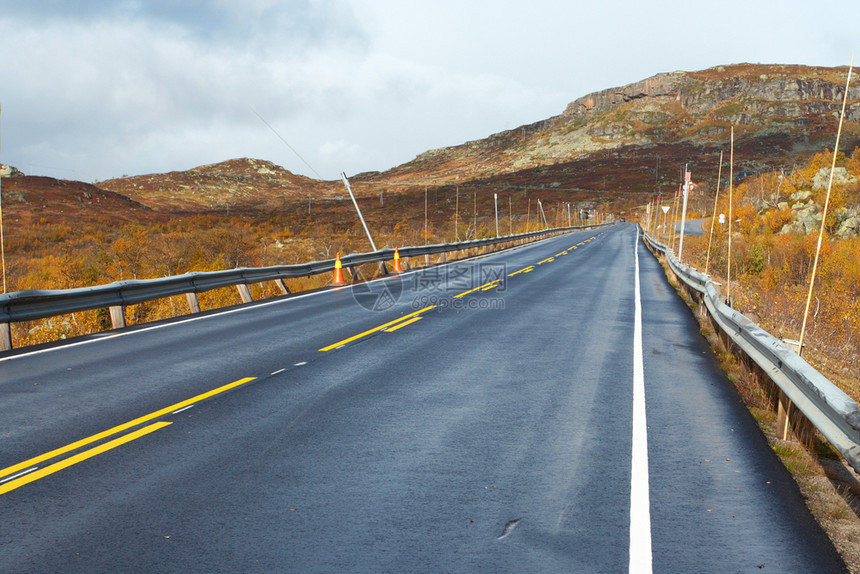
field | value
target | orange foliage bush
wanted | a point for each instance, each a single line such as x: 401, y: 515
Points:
x: 771, y: 270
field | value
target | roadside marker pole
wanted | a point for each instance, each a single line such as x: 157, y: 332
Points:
x: 2, y: 244
x: 684, y: 211
x: 496, y: 204
x: 457, y: 215
x: 714, y: 216
x: 824, y: 215
x: 729, y: 262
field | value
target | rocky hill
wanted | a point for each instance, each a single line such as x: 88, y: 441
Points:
x: 239, y: 184
x: 33, y: 199
x: 610, y: 139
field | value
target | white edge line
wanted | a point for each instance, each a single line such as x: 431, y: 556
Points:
x: 641, y: 556
x: 303, y: 363
x: 279, y: 371
x: 176, y: 412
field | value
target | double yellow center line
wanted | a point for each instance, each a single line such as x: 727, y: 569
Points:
x: 37, y: 473
x: 380, y: 328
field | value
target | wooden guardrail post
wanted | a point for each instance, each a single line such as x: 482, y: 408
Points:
x: 282, y: 286
x: 244, y: 293
x: 117, y: 316
x: 5, y: 337
x: 782, y: 415
x: 193, y: 302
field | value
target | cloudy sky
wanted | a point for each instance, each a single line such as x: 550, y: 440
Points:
x: 95, y: 89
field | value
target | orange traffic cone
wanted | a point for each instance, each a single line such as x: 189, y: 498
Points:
x: 397, y: 268
x: 338, y: 271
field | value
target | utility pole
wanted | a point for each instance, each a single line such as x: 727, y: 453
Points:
x: 426, y: 255
x: 2, y: 245
x: 540, y: 205
x: 475, y: 216
x: 529, y: 215
x: 457, y: 215
x: 684, y: 209
x: 382, y: 268
x: 496, y: 203
x: 360, y: 216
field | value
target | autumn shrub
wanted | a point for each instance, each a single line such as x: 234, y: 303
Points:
x: 771, y: 270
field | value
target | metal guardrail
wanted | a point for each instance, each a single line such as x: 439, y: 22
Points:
x: 827, y: 407
x: 40, y: 304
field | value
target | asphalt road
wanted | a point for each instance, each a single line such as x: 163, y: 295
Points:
x: 473, y: 417
x: 692, y: 227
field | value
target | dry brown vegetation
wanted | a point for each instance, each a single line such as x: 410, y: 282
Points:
x: 59, y: 238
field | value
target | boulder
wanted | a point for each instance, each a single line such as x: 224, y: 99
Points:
x: 806, y: 219
x: 9, y: 171
x: 849, y: 228
x: 840, y: 177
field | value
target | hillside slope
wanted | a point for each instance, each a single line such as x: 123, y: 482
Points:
x: 780, y: 113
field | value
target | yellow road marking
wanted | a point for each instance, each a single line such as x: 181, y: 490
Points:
x: 464, y: 293
x: 80, y: 457
x: 547, y: 260
x: 120, y: 428
x: 375, y: 329
x: 523, y: 270
x: 490, y: 285
x: 403, y: 324
x: 560, y: 254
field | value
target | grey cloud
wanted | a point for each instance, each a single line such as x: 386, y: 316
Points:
x: 250, y: 22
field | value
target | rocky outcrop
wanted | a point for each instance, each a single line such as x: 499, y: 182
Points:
x: 841, y: 177
x: 776, y: 94
x: 9, y: 171
x: 806, y: 214
x: 662, y: 87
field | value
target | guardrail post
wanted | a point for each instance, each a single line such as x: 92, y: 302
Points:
x: 244, y: 293
x: 193, y: 302
x: 782, y: 417
x: 117, y: 316
x: 442, y: 257
x: 282, y: 286
x: 356, y: 276
x: 5, y: 337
